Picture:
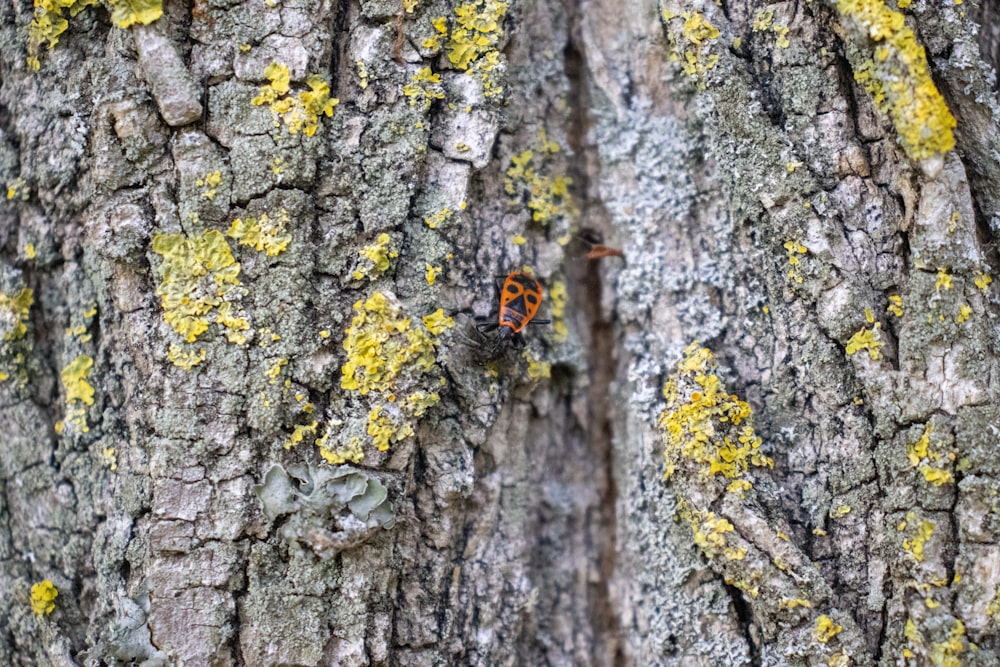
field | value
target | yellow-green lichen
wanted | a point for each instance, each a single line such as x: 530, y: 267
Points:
x: 947, y: 653
x: 475, y: 36
x: 866, y: 339
x: 763, y: 21
x: 982, y: 281
x: 706, y: 430
x: 964, y: 313
x: 710, y: 532
x: 537, y: 369
x: 547, y: 196
x: 897, y: 74
x: 423, y: 88
x: 376, y: 258
x: 795, y: 249
x: 390, y: 365
x: 127, y: 12
x: 18, y: 188
x: 48, y: 24
x: 826, y: 629
x: 432, y: 273
x: 209, y: 184
x: 263, y: 234
x: 895, y: 306
x: 110, y: 457
x: 930, y: 461
x: 917, y: 535
x: 440, y: 25
x: 300, y: 432
x: 301, y: 112
x: 557, y: 296
x: 692, y: 45
x: 43, y: 598
x: 437, y: 322
x: 184, y: 358
x: 439, y: 218
x: 198, y: 277
x: 350, y: 451
x: 79, y: 392
x: 274, y: 370
x: 943, y: 280
x: 14, y: 309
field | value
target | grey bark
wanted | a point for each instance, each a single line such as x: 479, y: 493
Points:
x: 527, y: 520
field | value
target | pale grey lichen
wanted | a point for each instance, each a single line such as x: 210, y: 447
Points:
x: 326, y: 509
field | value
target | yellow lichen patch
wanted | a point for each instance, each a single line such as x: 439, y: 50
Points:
x: 79, y: 392
x: 299, y: 433
x: 706, y: 430
x: 475, y: 35
x: 110, y: 457
x: 993, y: 609
x: 347, y: 452
x: 127, y: 12
x: 866, y: 339
x: 898, y: 69
x: 964, y: 312
x: 557, y: 297
x: 826, y: 629
x: 537, y: 369
x: 423, y: 88
x: 432, y: 273
x: 14, y: 310
x: 697, y: 35
x: 43, y: 598
x: 209, y: 183
x: 440, y: 25
x: 895, y: 306
x: 547, y: 196
x: 710, y: 532
x: 792, y: 603
x: 913, y: 544
x: 943, y: 280
x: 391, y: 364
x: 441, y: 217
x: 300, y: 112
x: 274, y: 370
x: 18, y: 188
x: 74, y: 379
x: 517, y: 239
x: 362, y: 71
x: 795, y: 249
x: 948, y: 653
x: 263, y: 234
x: 378, y: 256
x: 929, y: 461
x: 839, y: 511
x: 29, y: 251
x: 782, y: 41
x: 437, y: 322
x: 186, y: 359
x: 982, y: 281
x: 198, y: 275
x: 48, y: 24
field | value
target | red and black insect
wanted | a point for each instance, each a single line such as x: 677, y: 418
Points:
x: 520, y: 299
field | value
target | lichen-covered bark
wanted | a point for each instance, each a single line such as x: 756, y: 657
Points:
x: 239, y: 427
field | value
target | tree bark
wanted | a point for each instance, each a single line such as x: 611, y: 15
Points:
x: 239, y: 427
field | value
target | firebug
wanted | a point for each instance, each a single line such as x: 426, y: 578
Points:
x: 520, y: 299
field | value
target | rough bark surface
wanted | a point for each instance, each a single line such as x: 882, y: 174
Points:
x: 197, y: 284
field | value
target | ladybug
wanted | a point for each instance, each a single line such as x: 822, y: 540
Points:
x: 520, y: 299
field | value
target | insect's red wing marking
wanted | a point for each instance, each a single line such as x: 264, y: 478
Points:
x: 520, y: 299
